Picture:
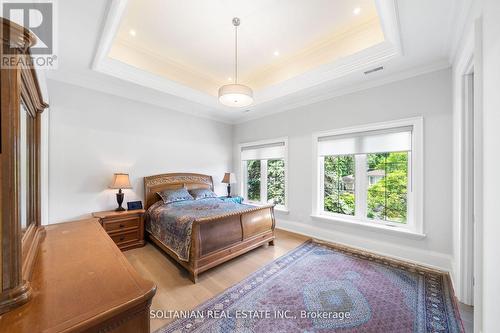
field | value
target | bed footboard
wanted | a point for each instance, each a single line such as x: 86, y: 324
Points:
x: 216, y: 240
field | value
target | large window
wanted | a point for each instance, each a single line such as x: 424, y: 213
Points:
x: 264, y: 166
x: 371, y: 174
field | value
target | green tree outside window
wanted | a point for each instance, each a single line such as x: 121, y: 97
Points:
x: 276, y: 181
x: 387, y: 197
x: 253, y: 180
x: 339, y: 184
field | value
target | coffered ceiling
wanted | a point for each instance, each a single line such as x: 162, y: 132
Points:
x: 192, y: 42
x: 186, y: 48
x: 176, y: 53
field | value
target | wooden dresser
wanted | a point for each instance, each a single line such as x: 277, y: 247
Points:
x: 125, y: 228
x: 82, y: 283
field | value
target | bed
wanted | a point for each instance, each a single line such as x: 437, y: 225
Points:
x: 205, y: 233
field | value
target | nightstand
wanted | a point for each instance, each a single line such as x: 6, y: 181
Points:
x: 235, y: 199
x: 126, y: 228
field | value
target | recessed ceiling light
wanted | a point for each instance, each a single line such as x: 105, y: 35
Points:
x: 276, y: 53
x: 132, y: 32
x: 356, y: 11
x: 230, y: 79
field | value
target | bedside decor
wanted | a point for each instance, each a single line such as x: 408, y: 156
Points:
x: 134, y: 205
x: 229, y: 178
x: 237, y: 199
x: 120, y: 181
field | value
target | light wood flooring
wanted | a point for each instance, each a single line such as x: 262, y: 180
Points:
x: 467, y: 315
x: 176, y: 292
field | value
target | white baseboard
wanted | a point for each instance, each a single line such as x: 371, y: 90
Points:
x: 427, y: 258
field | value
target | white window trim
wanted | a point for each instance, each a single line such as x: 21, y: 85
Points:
x: 263, y: 173
x: 416, y: 179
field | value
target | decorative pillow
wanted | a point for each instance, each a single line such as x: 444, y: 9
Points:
x: 180, y: 194
x: 202, y: 193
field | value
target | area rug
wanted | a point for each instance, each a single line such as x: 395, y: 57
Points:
x: 318, y: 288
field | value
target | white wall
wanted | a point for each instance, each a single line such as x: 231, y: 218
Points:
x: 93, y: 135
x: 491, y: 141
x: 426, y: 95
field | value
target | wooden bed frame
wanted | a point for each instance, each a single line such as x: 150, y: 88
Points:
x: 217, y: 239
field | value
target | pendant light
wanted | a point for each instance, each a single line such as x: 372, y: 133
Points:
x: 236, y: 95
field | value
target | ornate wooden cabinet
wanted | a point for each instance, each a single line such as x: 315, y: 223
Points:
x: 67, y: 277
x: 21, y: 108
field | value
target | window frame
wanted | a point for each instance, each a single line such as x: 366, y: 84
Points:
x: 263, y: 173
x: 414, y: 222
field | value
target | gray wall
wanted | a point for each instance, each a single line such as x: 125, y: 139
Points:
x: 428, y: 96
x: 93, y: 135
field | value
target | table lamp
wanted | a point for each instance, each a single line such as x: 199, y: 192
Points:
x: 120, y: 181
x: 229, y: 178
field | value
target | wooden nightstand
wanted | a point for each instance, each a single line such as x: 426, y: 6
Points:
x: 126, y: 228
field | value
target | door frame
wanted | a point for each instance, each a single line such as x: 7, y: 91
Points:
x: 468, y: 176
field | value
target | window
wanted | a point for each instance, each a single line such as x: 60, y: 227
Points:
x: 371, y: 174
x: 388, y: 186
x: 339, y: 180
x: 264, y: 172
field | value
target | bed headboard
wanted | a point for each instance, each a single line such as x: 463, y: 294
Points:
x: 153, y: 184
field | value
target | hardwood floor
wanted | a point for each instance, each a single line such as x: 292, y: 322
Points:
x: 175, y: 290
x: 467, y: 315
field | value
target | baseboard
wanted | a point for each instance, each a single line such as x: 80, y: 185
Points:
x: 431, y: 259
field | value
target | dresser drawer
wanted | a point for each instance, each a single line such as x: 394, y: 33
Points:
x: 126, y: 237
x: 121, y: 224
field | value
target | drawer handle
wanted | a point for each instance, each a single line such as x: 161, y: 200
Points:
x: 122, y: 238
x: 122, y: 225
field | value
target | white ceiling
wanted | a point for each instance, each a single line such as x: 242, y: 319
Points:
x: 426, y: 28
x: 199, y: 34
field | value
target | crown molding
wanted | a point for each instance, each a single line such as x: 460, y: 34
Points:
x: 112, y: 22
x: 326, y: 94
x: 465, y: 13
x: 169, y: 62
x: 334, y: 42
x: 94, y: 83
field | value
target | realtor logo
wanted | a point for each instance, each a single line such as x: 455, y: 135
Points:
x: 39, y: 18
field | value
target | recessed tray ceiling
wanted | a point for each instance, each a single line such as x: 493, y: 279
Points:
x: 192, y: 42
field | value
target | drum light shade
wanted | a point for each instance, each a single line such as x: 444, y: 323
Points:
x: 235, y: 95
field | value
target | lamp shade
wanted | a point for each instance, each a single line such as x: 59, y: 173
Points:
x: 229, y: 178
x: 120, y: 181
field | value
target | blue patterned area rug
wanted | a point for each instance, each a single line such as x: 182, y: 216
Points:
x: 318, y: 288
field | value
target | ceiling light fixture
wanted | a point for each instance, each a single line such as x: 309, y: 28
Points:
x: 276, y: 53
x: 132, y: 33
x: 356, y: 11
x: 236, y: 95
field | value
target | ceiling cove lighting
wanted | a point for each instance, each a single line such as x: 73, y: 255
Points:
x: 235, y: 95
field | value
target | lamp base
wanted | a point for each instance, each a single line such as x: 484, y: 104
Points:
x: 119, y: 199
x: 229, y: 190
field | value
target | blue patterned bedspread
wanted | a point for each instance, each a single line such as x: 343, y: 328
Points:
x: 172, y: 223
